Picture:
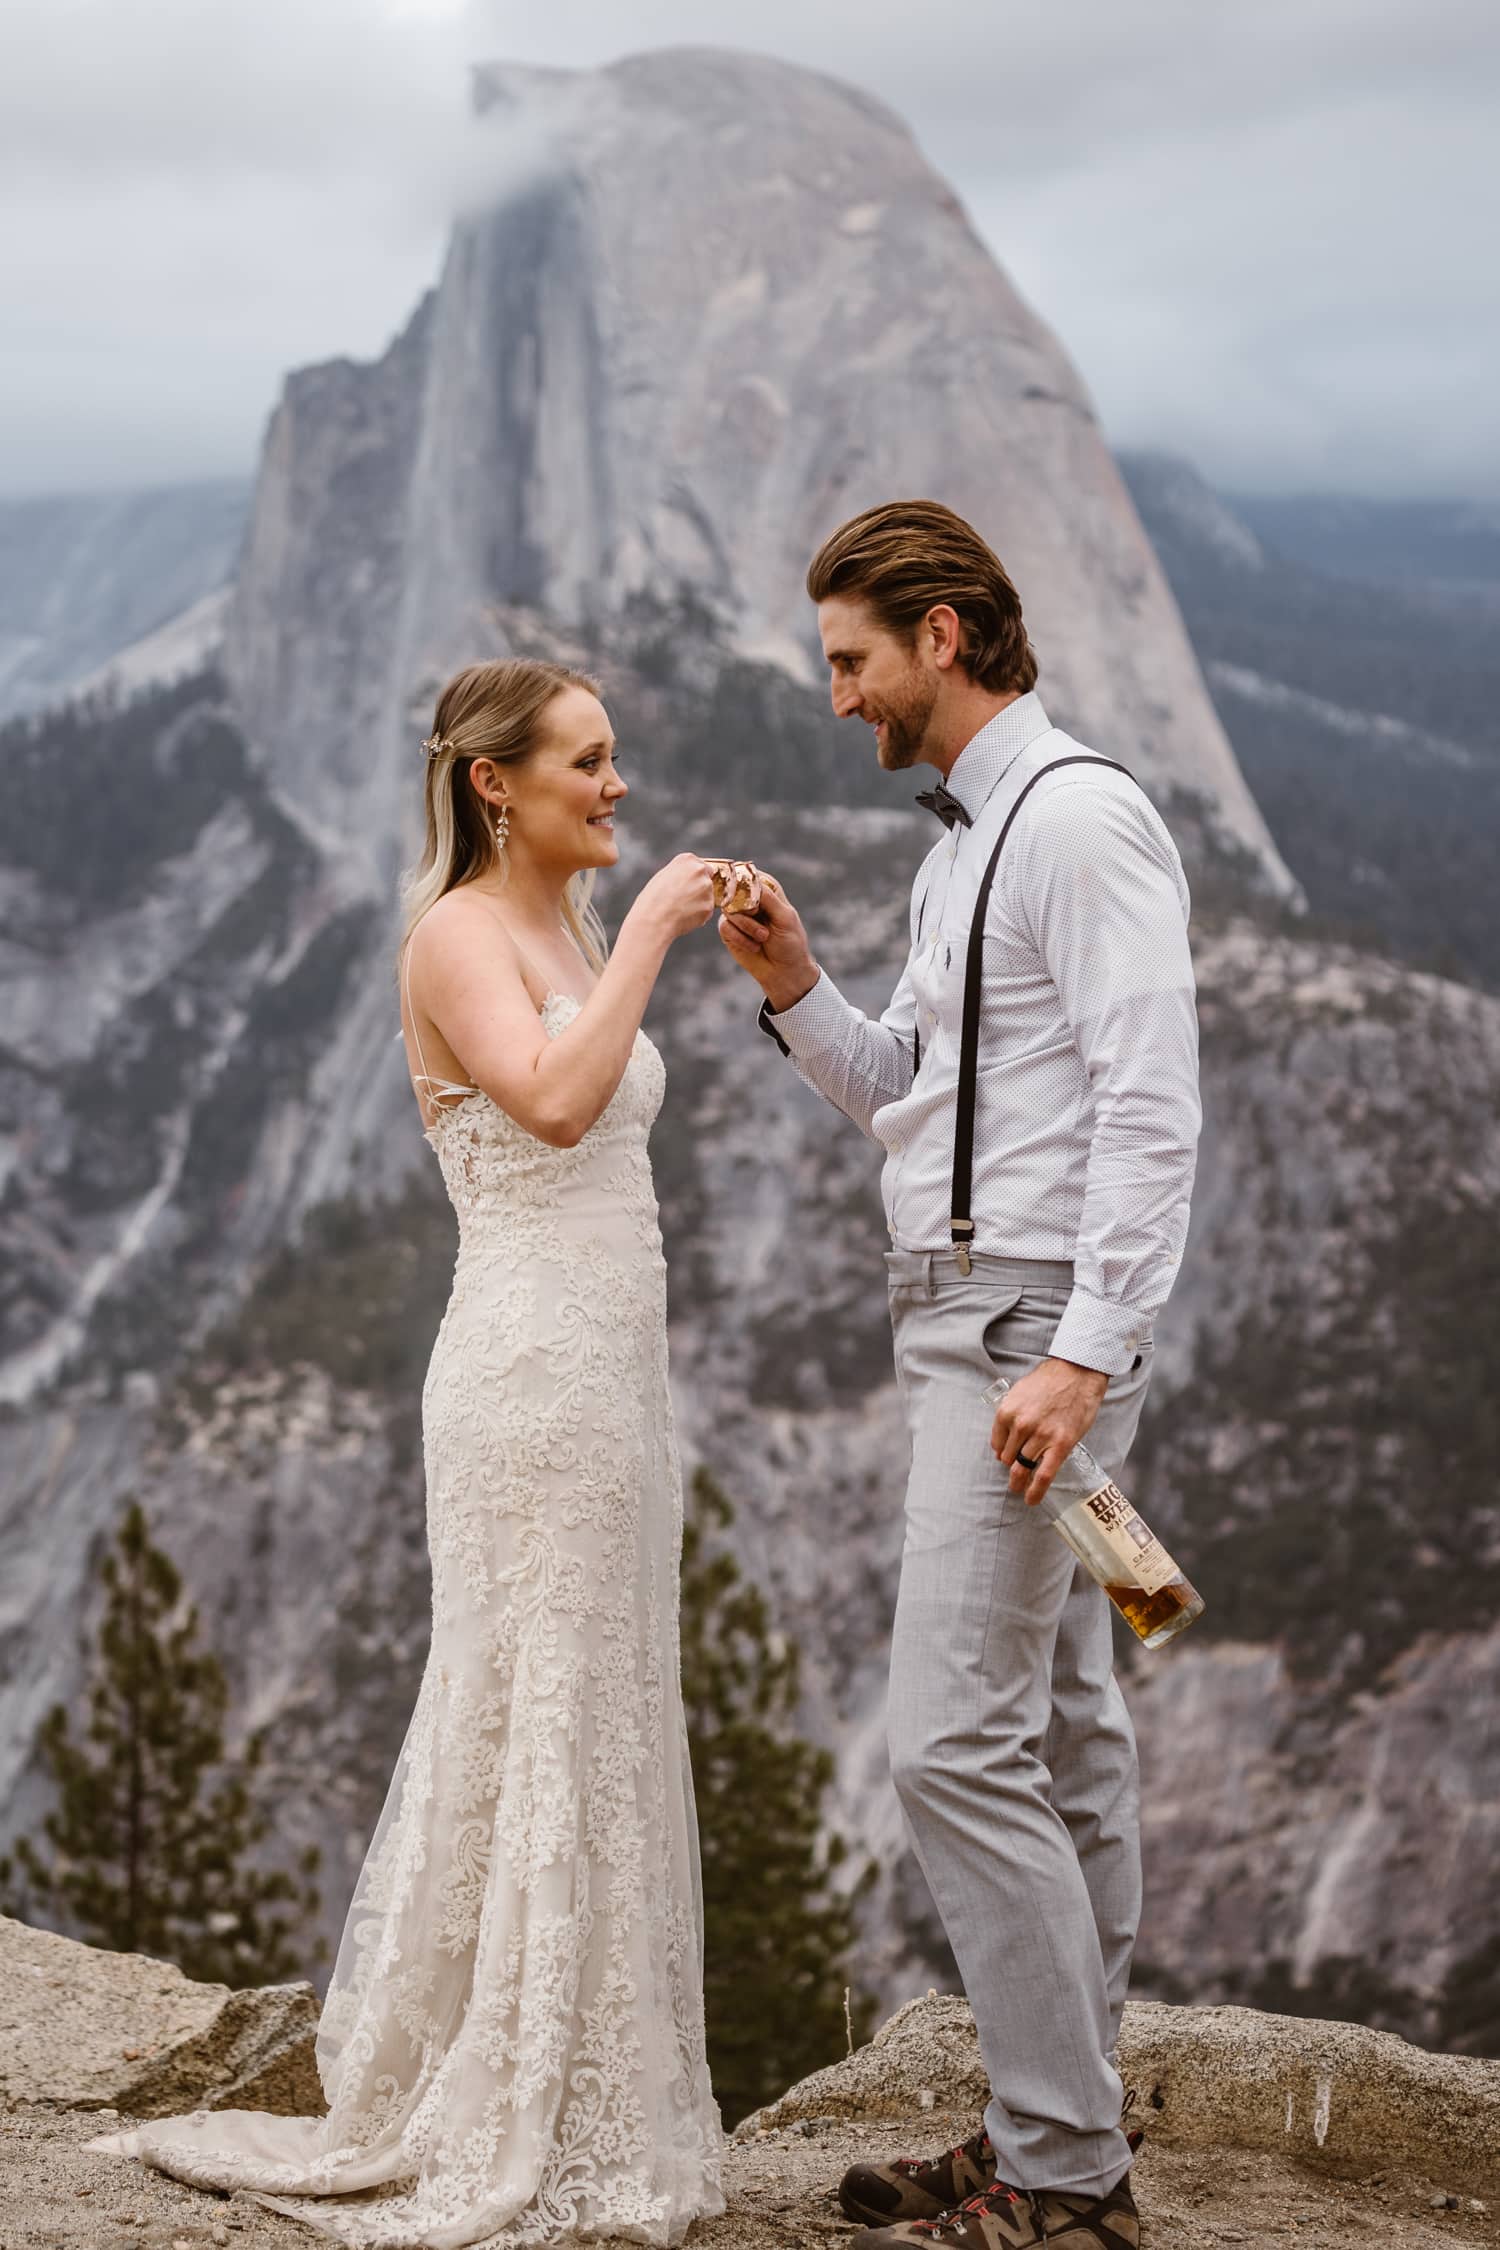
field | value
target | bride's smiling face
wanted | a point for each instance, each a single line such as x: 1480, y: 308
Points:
x: 562, y: 798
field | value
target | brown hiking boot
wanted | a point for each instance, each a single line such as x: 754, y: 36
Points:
x: 1007, y: 2218
x: 1088, y: 2222
x: 1002, y: 2218
x: 917, y: 2187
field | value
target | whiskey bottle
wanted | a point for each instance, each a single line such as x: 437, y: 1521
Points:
x: 1118, y: 1549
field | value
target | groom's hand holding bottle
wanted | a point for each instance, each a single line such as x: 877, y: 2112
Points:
x: 772, y: 947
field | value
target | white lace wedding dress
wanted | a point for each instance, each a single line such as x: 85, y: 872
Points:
x: 512, y: 2047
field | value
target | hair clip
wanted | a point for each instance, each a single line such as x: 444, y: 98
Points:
x: 434, y: 746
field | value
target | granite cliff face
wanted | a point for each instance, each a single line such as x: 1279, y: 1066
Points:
x: 226, y: 1250
x: 717, y: 305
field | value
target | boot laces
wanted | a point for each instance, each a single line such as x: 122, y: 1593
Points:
x: 910, y: 2164
x: 952, y: 2222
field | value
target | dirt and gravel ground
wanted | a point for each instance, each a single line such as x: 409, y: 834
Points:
x: 56, y: 2195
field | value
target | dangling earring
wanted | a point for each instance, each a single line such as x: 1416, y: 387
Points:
x: 502, y: 827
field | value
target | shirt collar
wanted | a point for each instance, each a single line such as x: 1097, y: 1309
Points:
x: 985, y: 760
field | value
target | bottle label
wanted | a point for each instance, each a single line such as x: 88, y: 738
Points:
x: 1144, y: 1559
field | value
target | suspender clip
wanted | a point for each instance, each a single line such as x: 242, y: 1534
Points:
x: 963, y: 1235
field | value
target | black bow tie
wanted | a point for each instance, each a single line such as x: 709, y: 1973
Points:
x: 947, y: 807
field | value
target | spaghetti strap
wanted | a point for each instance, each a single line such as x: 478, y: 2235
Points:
x: 544, y: 982
x: 424, y: 1077
x: 549, y: 989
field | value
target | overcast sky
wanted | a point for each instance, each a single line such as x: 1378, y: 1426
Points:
x: 1259, y: 226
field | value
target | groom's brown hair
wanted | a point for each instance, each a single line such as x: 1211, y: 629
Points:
x: 911, y: 556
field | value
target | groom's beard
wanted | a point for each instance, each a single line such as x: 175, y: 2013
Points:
x: 906, y: 711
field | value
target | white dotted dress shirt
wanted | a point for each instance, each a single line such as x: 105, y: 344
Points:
x: 1087, y: 1115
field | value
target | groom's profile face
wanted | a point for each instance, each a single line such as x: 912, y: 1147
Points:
x: 885, y: 678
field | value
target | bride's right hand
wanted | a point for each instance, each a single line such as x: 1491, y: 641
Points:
x: 678, y: 898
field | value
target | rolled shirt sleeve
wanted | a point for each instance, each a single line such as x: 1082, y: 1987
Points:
x: 1109, y: 923
x: 1101, y: 892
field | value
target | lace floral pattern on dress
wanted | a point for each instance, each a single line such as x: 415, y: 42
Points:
x: 512, y: 2046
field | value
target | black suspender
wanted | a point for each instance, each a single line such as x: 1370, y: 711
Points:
x: 916, y: 1029
x: 968, y: 1051
x: 962, y: 1225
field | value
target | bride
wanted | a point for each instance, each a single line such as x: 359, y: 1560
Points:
x: 512, y: 2047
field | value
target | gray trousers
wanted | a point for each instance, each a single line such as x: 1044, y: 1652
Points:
x: 1011, y: 1748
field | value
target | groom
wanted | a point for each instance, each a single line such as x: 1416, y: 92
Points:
x: 1037, y: 1202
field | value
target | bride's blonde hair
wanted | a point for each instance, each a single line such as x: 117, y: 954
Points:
x: 488, y: 711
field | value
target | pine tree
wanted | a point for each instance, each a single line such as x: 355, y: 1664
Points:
x: 777, y: 1930
x: 154, y: 1827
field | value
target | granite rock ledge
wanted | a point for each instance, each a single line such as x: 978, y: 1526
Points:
x: 81, y: 2028
x: 1334, y: 2095
x: 84, y: 2029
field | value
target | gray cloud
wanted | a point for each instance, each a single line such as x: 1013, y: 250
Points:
x: 1257, y: 228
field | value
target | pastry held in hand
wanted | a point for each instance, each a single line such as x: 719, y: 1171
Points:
x: 737, y: 885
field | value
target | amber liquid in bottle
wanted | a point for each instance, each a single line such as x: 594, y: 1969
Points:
x: 1118, y: 1548
x: 1156, y: 1617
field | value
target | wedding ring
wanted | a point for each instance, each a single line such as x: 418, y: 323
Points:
x: 1027, y: 1464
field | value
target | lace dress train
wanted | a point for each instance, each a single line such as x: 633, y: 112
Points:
x: 512, y: 2046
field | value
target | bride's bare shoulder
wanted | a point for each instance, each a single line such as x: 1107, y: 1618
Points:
x: 462, y: 917
x: 461, y: 932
